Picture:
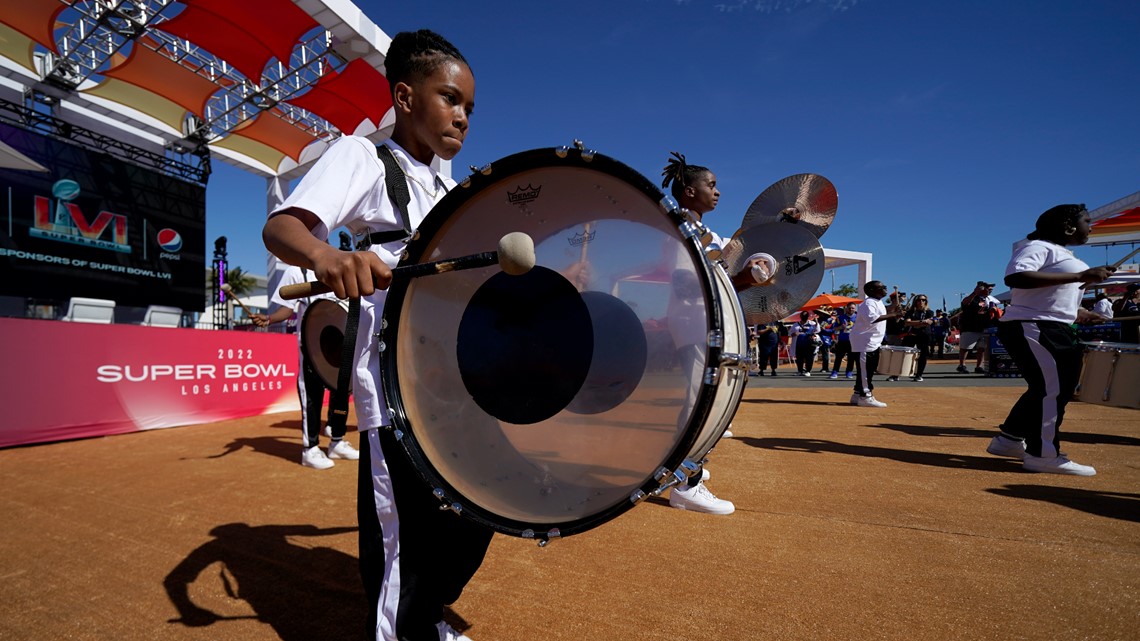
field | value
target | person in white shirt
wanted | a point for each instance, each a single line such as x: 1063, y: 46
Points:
x: 867, y: 337
x: 1045, y: 281
x: 414, y: 558
x: 1103, y: 306
x: 310, y: 388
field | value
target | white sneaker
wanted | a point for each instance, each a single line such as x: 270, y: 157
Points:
x: 328, y: 431
x: 1056, y: 465
x: 705, y: 474
x: 316, y: 459
x: 727, y: 432
x: 343, y: 450
x: 869, y: 401
x: 699, y: 499
x: 448, y: 633
x: 808, y: 374
x: 1002, y: 446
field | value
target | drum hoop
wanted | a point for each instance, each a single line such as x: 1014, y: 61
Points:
x: 397, y: 292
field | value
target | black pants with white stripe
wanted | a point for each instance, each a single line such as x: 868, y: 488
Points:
x: 865, y: 365
x: 434, y: 553
x: 311, y: 390
x: 1048, y: 356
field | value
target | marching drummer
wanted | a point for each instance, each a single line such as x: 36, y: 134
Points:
x: 694, y: 188
x: 1045, y: 281
x: 416, y: 559
x: 310, y: 387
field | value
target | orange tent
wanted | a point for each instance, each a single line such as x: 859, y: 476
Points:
x: 828, y: 300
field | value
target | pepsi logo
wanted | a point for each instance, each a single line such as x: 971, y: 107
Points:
x: 169, y: 240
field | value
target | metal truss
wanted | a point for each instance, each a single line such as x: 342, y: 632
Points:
x: 103, y: 27
x: 20, y: 116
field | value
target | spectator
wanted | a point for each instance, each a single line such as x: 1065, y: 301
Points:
x: 826, y: 337
x: 1129, y: 314
x: 919, y: 320
x: 805, y: 337
x: 768, y: 346
x: 980, y: 311
x: 844, y: 321
x: 1103, y: 306
x: 938, y: 333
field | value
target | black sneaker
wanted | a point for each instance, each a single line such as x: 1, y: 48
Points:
x: 962, y: 369
x: 978, y: 370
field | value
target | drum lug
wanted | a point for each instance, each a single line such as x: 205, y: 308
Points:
x: 447, y: 505
x: 712, y: 375
x: 637, y: 497
x: 544, y: 539
x: 587, y: 154
x: 716, y: 338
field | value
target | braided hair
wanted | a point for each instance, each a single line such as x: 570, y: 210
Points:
x: 680, y: 174
x: 415, y: 55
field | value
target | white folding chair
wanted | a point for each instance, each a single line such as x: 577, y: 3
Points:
x: 162, y: 316
x: 90, y: 310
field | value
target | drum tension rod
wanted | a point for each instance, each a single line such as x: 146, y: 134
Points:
x: 687, y: 470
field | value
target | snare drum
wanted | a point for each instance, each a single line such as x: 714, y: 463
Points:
x: 545, y: 404
x: 322, y: 338
x: 895, y: 360
x: 1111, y: 374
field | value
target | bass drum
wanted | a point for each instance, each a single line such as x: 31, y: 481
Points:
x: 546, y: 404
x: 322, y: 337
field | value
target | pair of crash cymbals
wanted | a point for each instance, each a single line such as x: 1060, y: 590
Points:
x: 781, y: 229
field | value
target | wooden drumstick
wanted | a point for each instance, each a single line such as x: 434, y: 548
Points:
x: 1117, y: 264
x: 230, y: 290
x: 515, y: 256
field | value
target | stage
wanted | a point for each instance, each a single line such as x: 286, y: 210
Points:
x: 851, y: 523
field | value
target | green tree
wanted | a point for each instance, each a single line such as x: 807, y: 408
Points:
x: 846, y: 289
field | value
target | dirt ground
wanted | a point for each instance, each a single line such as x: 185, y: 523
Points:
x: 851, y: 523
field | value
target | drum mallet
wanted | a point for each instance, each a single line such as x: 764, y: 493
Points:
x: 230, y: 291
x: 515, y: 256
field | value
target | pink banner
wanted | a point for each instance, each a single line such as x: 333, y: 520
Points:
x: 74, y: 380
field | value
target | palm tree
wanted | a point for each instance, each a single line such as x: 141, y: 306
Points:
x: 241, y: 282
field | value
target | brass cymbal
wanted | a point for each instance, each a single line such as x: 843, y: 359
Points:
x: 808, y: 200
x: 799, y: 269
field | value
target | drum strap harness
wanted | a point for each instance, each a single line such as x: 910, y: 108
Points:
x: 397, y: 185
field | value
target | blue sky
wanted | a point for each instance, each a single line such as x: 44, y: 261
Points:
x: 946, y: 127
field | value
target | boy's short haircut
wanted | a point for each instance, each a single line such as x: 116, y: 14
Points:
x: 415, y: 55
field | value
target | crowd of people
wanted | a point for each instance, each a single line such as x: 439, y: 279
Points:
x: 823, y: 336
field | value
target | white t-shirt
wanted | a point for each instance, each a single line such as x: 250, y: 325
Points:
x: 292, y: 276
x: 345, y: 188
x: 1054, y: 303
x: 1103, y: 307
x: 867, y: 335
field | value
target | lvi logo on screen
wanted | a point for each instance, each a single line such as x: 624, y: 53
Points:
x: 69, y: 225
